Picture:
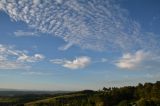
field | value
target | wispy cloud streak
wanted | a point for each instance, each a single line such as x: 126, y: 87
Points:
x: 10, y: 58
x: 20, y: 33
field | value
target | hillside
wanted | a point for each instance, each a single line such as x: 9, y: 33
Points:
x: 141, y: 95
x: 147, y: 94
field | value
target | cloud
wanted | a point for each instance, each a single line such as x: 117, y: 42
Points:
x: 1, y: 6
x: 10, y: 58
x: 129, y: 61
x: 34, y: 73
x: 97, y: 25
x: 58, y: 61
x: 137, y: 60
x: 78, y: 63
x: 20, y: 33
x: 101, y: 60
x: 35, y: 58
x: 12, y: 65
x: 65, y: 47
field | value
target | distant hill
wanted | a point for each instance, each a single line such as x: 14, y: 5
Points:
x: 7, y: 89
x: 16, y: 92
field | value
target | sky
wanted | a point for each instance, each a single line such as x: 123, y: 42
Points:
x: 78, y: 44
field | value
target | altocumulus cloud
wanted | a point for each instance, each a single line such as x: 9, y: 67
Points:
x: 11, y: 58
x: 90, y: 24
x: 78, y: 63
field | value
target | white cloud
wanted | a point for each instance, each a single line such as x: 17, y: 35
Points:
x: 35, y: 73
x: 26, y: 58
x: 1, y: 6
x: 58, y: 61
x: 12, y: 65
x: 65, y: 47
x: 10, y: 58
x: 132, y: 61
x: 5, y: 63
x: 78, y: 63
x: 101, y: 60
x: 95, y: 24
x: 20, y: 33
